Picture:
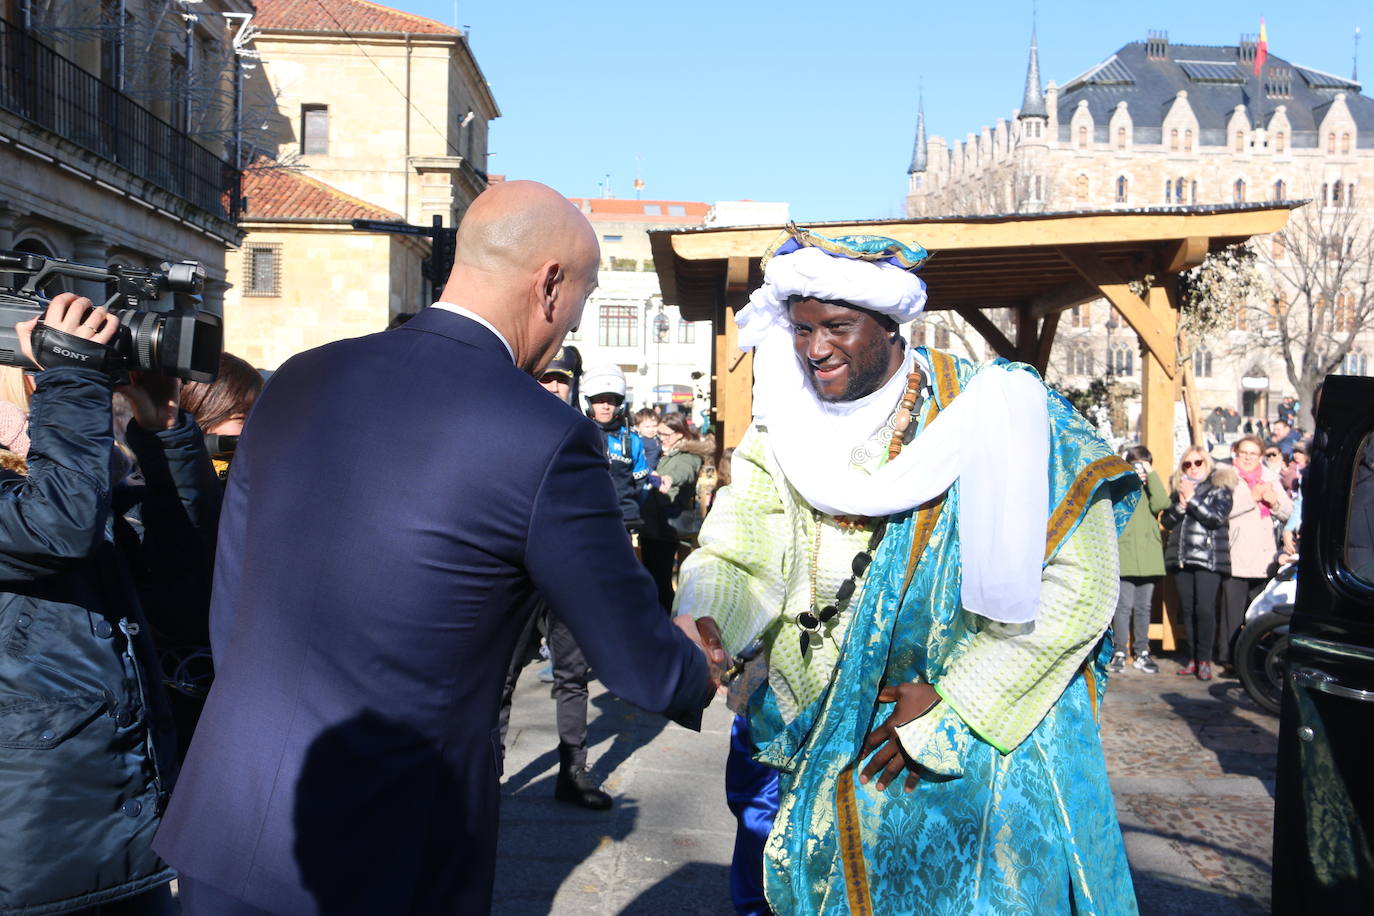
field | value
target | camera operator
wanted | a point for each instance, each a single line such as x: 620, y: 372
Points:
x: 87, y: 750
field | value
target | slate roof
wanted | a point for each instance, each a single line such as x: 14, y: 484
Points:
x: 342, y: 15
x: 1216, y: 82
x: 286, y: 194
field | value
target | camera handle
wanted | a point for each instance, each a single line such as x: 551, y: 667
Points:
x: 54, y: 348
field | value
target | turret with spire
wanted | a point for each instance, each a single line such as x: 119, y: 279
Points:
x: 1033, y: 104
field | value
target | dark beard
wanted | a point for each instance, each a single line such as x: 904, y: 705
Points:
x: 864, y: 379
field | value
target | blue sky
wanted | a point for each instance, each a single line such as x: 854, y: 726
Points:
x: 806, y: 102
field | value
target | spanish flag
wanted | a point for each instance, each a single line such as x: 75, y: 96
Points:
x: 1262, y: 49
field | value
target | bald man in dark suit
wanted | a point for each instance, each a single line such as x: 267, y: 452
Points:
x: 397, y: 504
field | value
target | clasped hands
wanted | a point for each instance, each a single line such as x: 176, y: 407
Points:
x: 889, y: 758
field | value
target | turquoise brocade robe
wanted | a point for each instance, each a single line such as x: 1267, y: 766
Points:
x: 1030, y: 829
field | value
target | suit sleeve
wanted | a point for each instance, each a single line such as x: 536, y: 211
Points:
x: 579, y: 557
x: 57, y: 514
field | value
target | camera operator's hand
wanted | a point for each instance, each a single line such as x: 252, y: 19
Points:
x: 155, y: 399
x: 68, y: 312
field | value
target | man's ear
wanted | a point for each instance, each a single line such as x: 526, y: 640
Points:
x: 550, y: 281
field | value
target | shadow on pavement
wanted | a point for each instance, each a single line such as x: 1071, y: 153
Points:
x: 1159, y: 894
x: 1241, y: 747
x: 695, y: 889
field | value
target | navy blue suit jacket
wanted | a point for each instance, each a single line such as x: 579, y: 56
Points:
x: 396, y: 504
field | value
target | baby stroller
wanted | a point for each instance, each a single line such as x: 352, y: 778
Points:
x: 1263, y: 639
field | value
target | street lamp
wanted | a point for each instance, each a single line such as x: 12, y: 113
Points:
x: 660, y: 335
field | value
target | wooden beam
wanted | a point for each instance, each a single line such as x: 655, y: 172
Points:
x: 1157, y: 334
x: 988, y: 331
x: 1065, y: 297
x: 1002, y: 232
x: 1159, y: 388
x: 1048, y: 327
x: 734, y: 369
x: 1185, y: 254
x: 1027, y: 334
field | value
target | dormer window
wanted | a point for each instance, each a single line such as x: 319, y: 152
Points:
x: 1345, y: 143
x: 1240, y: 141
x: 1173, y: 140
x: 1280, y: 141
x: 1187, y: 141
x: 1083, y: 138
x: 1121, y: 138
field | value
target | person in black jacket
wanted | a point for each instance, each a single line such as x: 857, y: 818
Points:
x: 1199, y: 550
x: 87, y: 751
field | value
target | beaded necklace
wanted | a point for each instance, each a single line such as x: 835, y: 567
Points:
x: 810, y: 622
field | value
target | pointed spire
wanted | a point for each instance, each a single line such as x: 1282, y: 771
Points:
x: 919, y: 154
x: 1033, y: 105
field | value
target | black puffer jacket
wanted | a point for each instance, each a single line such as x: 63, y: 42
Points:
x: 1198, y: 532
x: 87, y: 753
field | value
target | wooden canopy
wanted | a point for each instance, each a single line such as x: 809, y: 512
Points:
x: 1036, y: 265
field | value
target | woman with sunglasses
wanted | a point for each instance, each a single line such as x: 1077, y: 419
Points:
x: 1199, y: 550
x: 1260, y: 501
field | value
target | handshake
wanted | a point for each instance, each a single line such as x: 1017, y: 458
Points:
x: 706, y: 635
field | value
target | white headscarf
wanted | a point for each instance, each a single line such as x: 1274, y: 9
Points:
x: 993, y: 438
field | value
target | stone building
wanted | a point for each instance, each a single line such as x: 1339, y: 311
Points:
x: 117, y: 130
x: 625, y: 322
x: 368, y: 110
x: 1159, y: 124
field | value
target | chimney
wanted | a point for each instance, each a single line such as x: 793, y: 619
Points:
x: 1157, y: 45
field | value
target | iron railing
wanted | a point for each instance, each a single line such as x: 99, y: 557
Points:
x: 42, y: 86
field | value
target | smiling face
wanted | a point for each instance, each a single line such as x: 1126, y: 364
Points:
x: 845, y: 352
x: 1246, y: 454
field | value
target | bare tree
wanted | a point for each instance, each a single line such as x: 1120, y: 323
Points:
x: 1321, y: 292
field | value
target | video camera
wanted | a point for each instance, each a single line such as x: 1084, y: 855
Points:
x: 167, y: 338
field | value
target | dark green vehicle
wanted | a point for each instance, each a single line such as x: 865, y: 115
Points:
x: 1324, y: 800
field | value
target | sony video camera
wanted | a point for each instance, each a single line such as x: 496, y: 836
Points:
x: 167, y: 335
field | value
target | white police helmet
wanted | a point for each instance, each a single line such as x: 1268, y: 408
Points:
x: 603, y: 380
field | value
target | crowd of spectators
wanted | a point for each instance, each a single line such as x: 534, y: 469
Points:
x: 1229, y: 519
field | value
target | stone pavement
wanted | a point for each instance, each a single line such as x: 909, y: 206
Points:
x: 1191, y: 765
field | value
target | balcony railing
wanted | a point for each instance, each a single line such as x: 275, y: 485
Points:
x: 42, y: 86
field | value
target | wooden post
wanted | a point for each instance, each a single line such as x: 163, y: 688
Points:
x: 1159, y: 394
x: 734, y: 368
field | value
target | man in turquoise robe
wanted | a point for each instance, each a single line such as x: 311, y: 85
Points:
x: 925, y: 551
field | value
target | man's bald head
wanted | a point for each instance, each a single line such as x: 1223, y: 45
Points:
x: 525, y: 259
x: 516, y: 225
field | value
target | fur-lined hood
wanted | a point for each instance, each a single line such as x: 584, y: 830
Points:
x: 699, y: 447
x: 10, y: 461
x: 1225, y: 476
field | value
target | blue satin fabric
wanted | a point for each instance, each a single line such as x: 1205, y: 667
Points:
x: 751, y: 790
x: 1030, y: 831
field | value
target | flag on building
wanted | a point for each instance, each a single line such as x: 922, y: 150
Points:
x: 1262, y: 49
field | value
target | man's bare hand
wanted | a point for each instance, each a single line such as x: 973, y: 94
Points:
x: 706, y: 635
x: 912, y: 701
x: 73, y: 314
x: 155, y: 399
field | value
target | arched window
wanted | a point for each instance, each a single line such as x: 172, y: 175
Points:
x: 1081, y: 316
x: 1345, y: 143
x: 1343, y: 319
x: 1280, y: 189
x: 1082, y: 187
x: 1122, y: 189
x: 1187, y: 141
x: 1121, y: 359
x: 1356, y: 363
x: 1280, y: 141
x: 1083, y: 138
x: 1238, y: 191
x: 1202, y: 362
x: 1240, y: 141
x: 1080, y: 361
x: 1121, y: 138
x: 1337, y: 193
x: 1330, y: 143
x: 1178, y: 191
x: 1168, y: 191
x: 1173, y: 139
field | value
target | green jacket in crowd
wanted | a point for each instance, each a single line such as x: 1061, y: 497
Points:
x: 1142, y: 551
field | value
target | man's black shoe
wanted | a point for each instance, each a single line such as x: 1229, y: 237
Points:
x: 576, y: 787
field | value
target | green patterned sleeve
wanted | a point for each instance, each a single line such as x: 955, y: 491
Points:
x: 736, y: 576
x: 1008, y: 676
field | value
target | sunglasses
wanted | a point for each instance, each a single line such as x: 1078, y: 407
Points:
x: 1189, y: 465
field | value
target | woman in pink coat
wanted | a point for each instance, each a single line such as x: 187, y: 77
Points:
x: 1259, y: 502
